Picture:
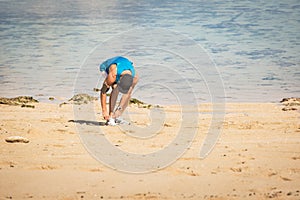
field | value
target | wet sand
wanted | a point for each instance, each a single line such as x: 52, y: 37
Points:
x: 256, y: 157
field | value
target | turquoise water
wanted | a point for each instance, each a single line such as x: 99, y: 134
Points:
x: 53, y: 48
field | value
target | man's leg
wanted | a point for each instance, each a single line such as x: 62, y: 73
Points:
x: 113, y: 100
x: 125, y: 99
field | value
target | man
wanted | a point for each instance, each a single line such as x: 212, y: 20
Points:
x: 121, y: 76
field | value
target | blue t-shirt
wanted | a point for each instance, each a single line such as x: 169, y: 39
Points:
x: 122, y: 65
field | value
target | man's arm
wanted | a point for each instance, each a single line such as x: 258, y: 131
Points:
x: 103, y: 91
x: 112, y: 75
x: 109, y: 81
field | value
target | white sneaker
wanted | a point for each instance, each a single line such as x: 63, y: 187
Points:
x: 111, y: 122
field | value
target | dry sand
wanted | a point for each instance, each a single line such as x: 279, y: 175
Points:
x: 256, y: 157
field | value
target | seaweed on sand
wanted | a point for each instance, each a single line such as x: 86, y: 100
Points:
x: 24, y: 101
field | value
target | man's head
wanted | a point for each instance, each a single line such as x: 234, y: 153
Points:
x: 125, y: 83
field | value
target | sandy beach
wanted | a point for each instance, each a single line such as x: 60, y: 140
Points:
x: 220, y: 75
x: 257, y: 155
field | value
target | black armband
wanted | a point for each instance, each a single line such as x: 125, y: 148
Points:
x: 104, y: 88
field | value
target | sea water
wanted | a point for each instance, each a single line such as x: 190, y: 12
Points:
x: 184, y: 51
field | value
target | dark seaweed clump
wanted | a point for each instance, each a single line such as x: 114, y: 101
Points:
x: 136, y: 101
x: 292, y: 103
x: 24, y: 101
x: 79, y: 99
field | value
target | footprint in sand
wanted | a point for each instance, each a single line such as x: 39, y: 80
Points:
x: 285, y: 178
x: 48, y: 167
x: 16, y: 139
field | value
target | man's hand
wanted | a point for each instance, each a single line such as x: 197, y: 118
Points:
x: 105, y: 115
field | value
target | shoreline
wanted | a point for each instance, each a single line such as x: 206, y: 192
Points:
x: 59, y: 99
x: 255, y: 157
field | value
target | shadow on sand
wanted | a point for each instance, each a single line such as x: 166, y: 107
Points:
x: 90, y: 123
